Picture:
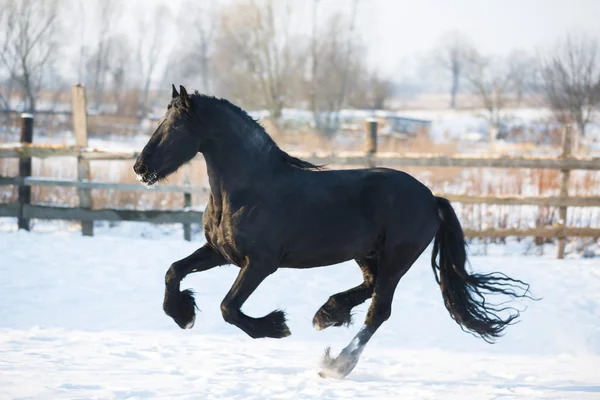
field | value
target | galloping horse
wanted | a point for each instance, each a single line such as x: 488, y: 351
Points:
x: 269, y: 210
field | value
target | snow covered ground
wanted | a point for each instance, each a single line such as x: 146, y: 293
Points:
x: 81, y: 318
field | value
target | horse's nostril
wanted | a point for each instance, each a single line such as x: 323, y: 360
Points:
x: 140, y: 169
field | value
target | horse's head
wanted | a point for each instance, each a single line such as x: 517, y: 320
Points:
x: 174, y: 142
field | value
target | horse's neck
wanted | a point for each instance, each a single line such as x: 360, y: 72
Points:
x: 233, y: 170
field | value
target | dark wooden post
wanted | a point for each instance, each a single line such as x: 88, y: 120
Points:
x: 81, y: 141
x: 371, y: 141
x: 567, y: 144
x: 25, y: 169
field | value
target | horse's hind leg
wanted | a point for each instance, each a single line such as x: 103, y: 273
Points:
x: 395, y: 264
x: 336, y: 311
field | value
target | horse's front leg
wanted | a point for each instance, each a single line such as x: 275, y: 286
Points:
x: 251, y: 275
x: 181, y: 305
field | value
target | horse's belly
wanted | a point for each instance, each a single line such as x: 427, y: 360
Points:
x: 313, y: 262
x: 318, y: 252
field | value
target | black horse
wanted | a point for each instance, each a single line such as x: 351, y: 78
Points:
x: 269, y: 210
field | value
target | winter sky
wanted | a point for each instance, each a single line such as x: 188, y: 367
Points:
x: 401, y: 28
x: 400, y: 32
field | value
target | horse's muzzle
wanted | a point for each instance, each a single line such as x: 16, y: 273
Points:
x: 144, y: 174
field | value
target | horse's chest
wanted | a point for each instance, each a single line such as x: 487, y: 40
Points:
x: 226, y: 236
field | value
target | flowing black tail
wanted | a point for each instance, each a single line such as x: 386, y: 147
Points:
x: 463, y: 292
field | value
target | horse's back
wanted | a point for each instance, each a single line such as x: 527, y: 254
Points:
x: 375, y: 190
x: 336, y: 215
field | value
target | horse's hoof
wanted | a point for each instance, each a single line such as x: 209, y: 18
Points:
x: 320, y: 324
x: 278, y: 327
x: 330, y: 315
x: 339, y: 367
x: 181, y: 307
x: 285, y: 331
x: 190, y: 324
x: 270, y: 326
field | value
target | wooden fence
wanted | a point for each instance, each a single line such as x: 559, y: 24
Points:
x: 25, y: 211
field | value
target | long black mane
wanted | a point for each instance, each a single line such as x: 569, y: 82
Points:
x: 222, y: 110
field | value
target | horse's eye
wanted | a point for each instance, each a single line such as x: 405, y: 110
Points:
x: 169, y: 107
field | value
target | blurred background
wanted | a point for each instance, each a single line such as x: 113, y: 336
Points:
x: 446, y: 78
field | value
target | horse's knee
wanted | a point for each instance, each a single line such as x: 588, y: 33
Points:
x: 171, y: 274
x: 230, y: 314
x: 379, y: 313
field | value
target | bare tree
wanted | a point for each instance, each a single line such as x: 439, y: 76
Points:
x: 82, y: 45
x: 335, y: 61
x: 202, y: 36
x: 571, y: 79
x: 118, y: 62
x: 107, y: 13
x: 314, y: 56
x: 523, y: 69
x: 28, y: 52
x: 451, y: 55
x: 349, y: 50
x: 369, y: 89
x: 382, y: 90
x: 255, y: 46
x: 191, y: 61
x: 6, y: 32
x: 379, y: 92
x: 150, y: 47
x: 490, y: 81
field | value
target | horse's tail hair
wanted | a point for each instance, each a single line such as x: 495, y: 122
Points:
x: 464, y: 293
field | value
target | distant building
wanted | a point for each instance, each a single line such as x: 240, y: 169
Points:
x: 395, y: 125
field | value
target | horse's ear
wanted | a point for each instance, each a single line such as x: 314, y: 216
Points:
x: 185, y: 99
x: 174, y: 94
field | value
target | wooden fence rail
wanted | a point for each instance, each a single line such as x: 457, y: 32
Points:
x: 30, y: 211
x: 349, y: 159
x: 548, y: 201
x: 133, y: 187
x: 25, y: 150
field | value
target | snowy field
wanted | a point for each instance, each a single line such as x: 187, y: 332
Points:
x: 81, y: 318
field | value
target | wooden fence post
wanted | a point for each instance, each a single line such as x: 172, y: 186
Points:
x: 81, y: 141
x: 371, y: 141
x: 25, y: 169
x: 567, y: 145
x: 187, y: 203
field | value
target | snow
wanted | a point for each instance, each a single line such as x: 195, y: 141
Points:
x: 82, y: 318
